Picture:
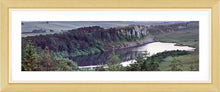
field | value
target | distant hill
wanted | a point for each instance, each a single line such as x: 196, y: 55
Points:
x: 59, y: 26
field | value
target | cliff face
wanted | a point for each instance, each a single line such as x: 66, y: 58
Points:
x: 141, y: 30
x: 134, y: 31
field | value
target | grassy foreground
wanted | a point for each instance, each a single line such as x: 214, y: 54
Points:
x: 190, y: 38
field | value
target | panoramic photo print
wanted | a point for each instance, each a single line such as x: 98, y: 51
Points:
x: 110, y: 46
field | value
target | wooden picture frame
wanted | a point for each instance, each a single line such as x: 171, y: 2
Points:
x: 5, y: 5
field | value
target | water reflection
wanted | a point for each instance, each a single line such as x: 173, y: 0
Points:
x: 101, y: 58
x: 128, y: 55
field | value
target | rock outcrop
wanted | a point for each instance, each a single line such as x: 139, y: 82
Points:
x: 134, y: 31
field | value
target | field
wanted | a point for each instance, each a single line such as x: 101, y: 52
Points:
x: 189, y: 38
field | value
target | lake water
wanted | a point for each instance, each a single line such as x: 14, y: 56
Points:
x: 129, y: 55
x: 157, y: 47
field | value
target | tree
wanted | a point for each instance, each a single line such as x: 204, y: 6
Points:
x: 113, y: 59
x: 113, y: 63
x: 52, y: 62
x: 144, y: 63
x: 47, y: 54
x: 30, y: 62
x: 63, y: 64
x: 136, y: 66
x: 150, y: 64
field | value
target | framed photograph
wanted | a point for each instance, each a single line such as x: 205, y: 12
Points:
x: 103, y: 46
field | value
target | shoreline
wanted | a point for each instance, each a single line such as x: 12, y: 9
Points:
x: 126, y: 63
x: 141, y: 42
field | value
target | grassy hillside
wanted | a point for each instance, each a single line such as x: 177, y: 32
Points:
x: 187, y: 37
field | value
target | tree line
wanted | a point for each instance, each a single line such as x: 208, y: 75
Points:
x: 44, y: 61
x: 82, y: 41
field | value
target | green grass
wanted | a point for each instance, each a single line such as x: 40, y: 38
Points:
x: 189, y: 38
x: 187, y: 61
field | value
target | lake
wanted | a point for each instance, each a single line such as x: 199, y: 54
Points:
x: 128, y: 56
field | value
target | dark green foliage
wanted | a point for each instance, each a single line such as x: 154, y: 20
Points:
x: 113, y: 63
x: 160, y: 56
x: 143, y: 62
x: 82, y: 41
x: 136, y: 66
x: 55, y: 61
x: 63, y: 64
x: 56, y: 64
x: 150, y: 64
x: 113, y: 59
x: 115, y: 67
x: 44, y: 61
x: 146, y: 63
x: 30, y: 62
